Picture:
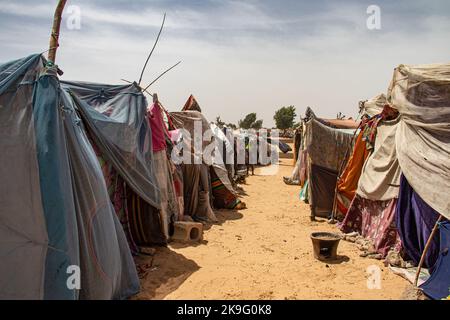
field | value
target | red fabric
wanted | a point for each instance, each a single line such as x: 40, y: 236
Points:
x: 158, y: 127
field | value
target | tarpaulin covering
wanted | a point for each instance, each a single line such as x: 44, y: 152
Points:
x: 327, y: 149
x: 438, y: 285
x: 375, y: 105
x: 142, y: 223
x: 56, y: 211
x: 116, y: 116
x: 415, y: 220
x: 380, y: 177
x: 422, y: 96
x: 326, y: 146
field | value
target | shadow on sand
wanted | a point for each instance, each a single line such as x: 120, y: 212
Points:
x: 339, y: 259
x: 162, y: 273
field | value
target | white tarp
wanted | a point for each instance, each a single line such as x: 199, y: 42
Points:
x: 380, y: 177
x: 375, y: 105
x: 422, y: 96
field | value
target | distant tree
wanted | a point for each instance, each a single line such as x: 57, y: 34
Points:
x: 257, y: 125
x: 250, y: 122
x: 284, y: 117
x: 219, y: 122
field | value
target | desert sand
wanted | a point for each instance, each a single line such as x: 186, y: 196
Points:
x: 263, y: 252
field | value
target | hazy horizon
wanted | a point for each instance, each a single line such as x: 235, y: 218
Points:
x: 238, y: 56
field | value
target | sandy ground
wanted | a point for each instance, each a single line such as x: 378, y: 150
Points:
x: 264, y: 252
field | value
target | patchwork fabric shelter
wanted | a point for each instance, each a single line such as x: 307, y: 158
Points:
x: 56, y: 212
x: 327, y: 148
x: 349, y: 178
x: 421, y: 94
x: 205, y: 173
x: 390, y: 211
x: 372, y: 211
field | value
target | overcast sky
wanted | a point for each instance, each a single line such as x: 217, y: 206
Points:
x: 238, y: 56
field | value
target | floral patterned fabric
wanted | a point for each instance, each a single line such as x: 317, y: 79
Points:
x: 374, y: 220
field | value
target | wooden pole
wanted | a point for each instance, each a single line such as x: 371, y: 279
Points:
x: 151, y: 52
x: 341, y: 169
x: 54, y: 38
x: 425, y: 250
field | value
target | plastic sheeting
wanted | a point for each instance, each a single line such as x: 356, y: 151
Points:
x: 422, y: 96
x: 380, y: 177
x: 375, y: 105
x: 23, y: 233
x: 116, y: 116
x: 55, y: 212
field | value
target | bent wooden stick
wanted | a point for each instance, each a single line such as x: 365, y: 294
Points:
x: 54, y: 38
x: 425, y: 250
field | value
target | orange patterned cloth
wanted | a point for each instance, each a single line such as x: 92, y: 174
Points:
x: 348, y: 182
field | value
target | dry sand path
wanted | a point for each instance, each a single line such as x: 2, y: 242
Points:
x: 264, y: 252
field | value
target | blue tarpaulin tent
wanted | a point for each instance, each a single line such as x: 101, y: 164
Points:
x: 55, y: 209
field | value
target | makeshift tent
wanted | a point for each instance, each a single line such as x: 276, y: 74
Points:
x: 56, y: 212
x: 116, y: 123
x: 195, y: 171
x: 348, y: 179
x: 391, y: 211
x: 326, y: 148
x: 372, y: 211
x: 191, y: 105
x: 206, y: 158
x: 421, y: 94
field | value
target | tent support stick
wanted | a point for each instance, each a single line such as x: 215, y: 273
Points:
x: 54, y: 38
x: 341, y: 169
x: 425, y: 250
x: 153, y: 48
